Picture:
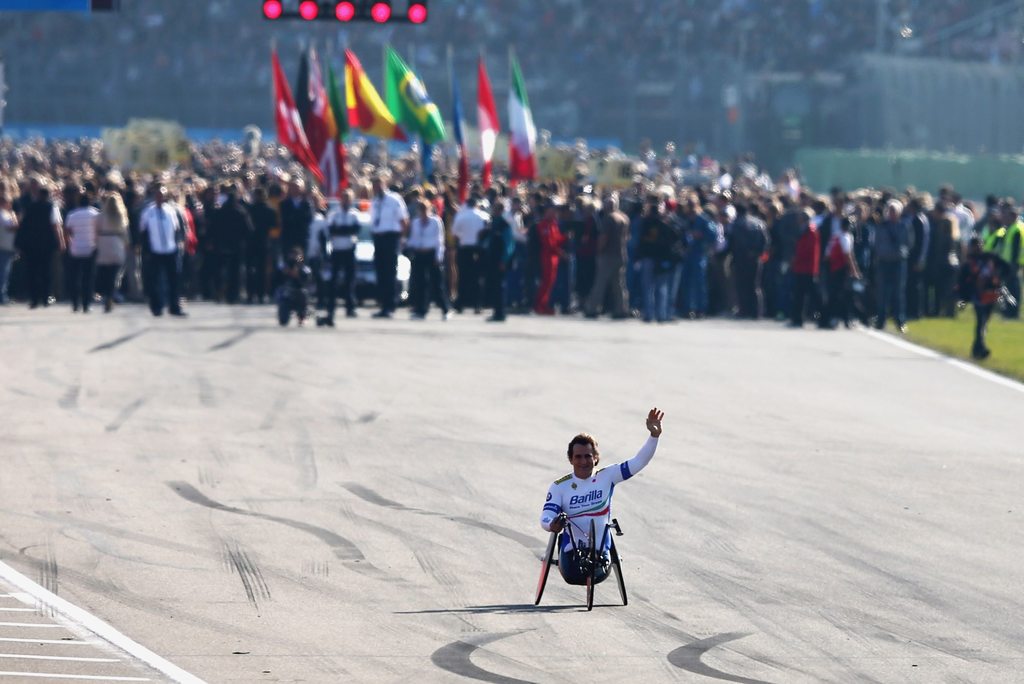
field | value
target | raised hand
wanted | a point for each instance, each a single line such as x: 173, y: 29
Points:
x: 654, y: 417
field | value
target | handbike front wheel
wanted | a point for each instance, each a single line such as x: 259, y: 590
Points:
x: 617, y: 565
x: 545, y: 567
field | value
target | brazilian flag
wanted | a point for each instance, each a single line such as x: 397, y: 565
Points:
x: 408, y: 101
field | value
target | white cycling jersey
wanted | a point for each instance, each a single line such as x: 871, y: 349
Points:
x: 591, y: 499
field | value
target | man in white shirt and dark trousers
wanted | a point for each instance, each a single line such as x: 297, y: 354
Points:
x: 160, y: 226
x: 390, y: 220
x: 426, y: 245
x: 342, y: 233
x: 467, y: 225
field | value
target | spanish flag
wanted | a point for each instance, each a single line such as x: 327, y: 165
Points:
x: 366, y: 111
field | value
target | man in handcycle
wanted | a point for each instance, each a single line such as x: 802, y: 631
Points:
x: 585, y: 495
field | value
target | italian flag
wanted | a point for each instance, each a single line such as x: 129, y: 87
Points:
x: 522, y: 138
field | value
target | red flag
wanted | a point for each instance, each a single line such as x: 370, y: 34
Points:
x: 318, y: 121
x: 289, y: 125
x: 487, y: 120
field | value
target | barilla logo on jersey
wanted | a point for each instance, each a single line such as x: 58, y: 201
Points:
x: 589, y: 497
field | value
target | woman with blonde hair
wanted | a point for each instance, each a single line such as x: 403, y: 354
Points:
x: 111, y: 247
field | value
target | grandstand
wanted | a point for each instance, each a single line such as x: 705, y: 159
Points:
x: 603, y: 69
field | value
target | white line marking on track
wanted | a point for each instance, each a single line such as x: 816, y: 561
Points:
x: 22, y: 656
x: 31, y: 624
x: 962, y: 365
x: 46, y: 641
x: 82, y: 618
x: 101, y: 678
x: 17, y: 610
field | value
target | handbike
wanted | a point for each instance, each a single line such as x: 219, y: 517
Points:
x: 590, y: 559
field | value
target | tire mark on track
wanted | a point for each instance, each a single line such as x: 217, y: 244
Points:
x: 370, y: 496
x: 731, y: 593
x: 157, y: 607
x: 207, y: 395
x: 102, y: 543
x: 118, y: 533
x: 343, y: 548
x: 690, y: 658
x: 126, y: 413
x: 116, y: 342
x: 238, y: 560
x: 233, y: 340
x: 455, y: 658
x: 70, y: 399
x: 49, y: 572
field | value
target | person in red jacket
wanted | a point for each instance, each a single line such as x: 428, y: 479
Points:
x: 551, y: 241
x: 804, y: 267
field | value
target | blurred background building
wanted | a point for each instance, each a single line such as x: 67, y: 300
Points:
x: 720, y: 76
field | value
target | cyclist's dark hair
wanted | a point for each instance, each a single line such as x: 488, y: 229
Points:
x: 582, y: 438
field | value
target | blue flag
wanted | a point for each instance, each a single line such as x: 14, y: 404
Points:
x: 460, y: 142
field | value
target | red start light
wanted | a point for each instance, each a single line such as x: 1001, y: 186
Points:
x: 417, y: 13
x: 344, y: 11
x: 272, y: 9
x: 380, y: 12
x: 309, y: 9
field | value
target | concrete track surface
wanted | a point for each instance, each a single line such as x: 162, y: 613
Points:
x: 360, y: 504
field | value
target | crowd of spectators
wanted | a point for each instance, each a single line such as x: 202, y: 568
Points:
x: 689, y: 239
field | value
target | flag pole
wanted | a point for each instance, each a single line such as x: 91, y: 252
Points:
x: 273, y: 90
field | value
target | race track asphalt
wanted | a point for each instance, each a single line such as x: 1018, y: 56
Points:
x: 361, y: 504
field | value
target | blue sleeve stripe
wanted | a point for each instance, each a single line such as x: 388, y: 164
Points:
x: 552, y: 507
x: 625, y: 471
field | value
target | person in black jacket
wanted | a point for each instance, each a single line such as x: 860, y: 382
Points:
x: 230, y: 227
x: 748, y: 243
x: 264, y: 220
x: 920, y: 231
x: 296, y: 217
x: 38, y: 239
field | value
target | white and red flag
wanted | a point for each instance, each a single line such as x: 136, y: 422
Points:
x: 487, y: 121
x: 289, y: 124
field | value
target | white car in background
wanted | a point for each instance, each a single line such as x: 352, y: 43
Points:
x: 366, y: 276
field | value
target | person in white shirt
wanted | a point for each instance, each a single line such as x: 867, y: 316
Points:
x: 467, y: 225
x: 389, y: 222
x: 426, y: 244
x: 317, y: 253
x: 160, y: 225
x: 341, y: 232
x: 80, y: 234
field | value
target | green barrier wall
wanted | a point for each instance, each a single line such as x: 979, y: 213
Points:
x: 972, y: 176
